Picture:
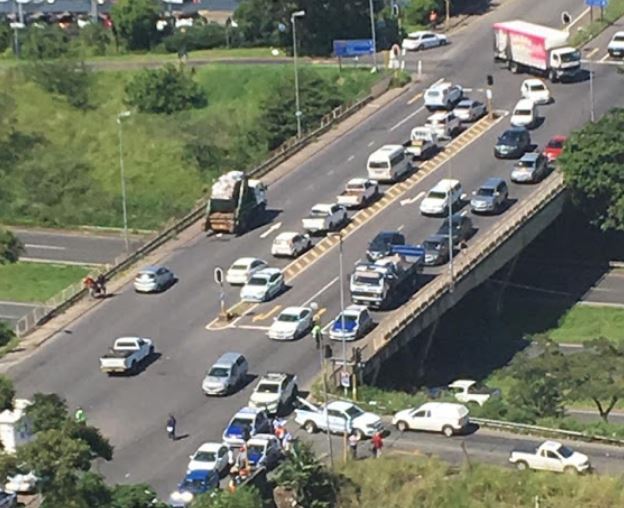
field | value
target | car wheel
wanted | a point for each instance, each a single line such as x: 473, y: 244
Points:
x: 309, y: 427
x: 402, y: 426
x: 420, y: 47
x: 522, y: 466
x: 447, y: 430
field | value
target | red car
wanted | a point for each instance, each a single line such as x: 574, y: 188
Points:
x: 554, y: 148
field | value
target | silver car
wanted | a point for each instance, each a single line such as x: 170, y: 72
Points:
x: 531, y: 168
x: 227, y: 373
x: 153, y: 279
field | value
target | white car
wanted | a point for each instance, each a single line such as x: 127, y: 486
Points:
x: 445, y: 417
x: 152, y: 279
x: 274, y: 392
x: 416, y: 41
x: 445, y: 193
x: 534, y: 89
x: 468, y: 390
x: 290, y: 244
x: 444, y: 124
x: 263, y: 285
x: 615, y: 48
x: 210, y: 456
x: 291, y: 323
x: 468, y: 110
x: 551, y: 456
x: 524, y: 114
x: 242, y: 269
x: 325, y: 217
x: 443, y: 96
x: 21, y: 483
x: 352, y: 324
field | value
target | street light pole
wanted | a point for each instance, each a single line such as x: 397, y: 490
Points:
x: 293, y: 17
x: 120, y: 117
x: 373, y: 33
x: 450, y: 227
x: 342, y: 306
x: 591, y: 92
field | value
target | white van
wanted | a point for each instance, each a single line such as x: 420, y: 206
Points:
x: 388, y: 164
x: 443, y: 96
x: 445, y: 417
x: 524, y: 114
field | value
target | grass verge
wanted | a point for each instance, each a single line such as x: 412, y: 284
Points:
x: 36, y: 282
x: 613, y: 11
x: 583, y: 322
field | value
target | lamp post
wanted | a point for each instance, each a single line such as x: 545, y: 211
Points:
x: 373, y: 33
x: 120, y: 117
x: 342, y: 306
x: 450, y: 227
x: 293, y: 17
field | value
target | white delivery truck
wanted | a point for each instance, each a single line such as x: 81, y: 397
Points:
x: 535, y: 48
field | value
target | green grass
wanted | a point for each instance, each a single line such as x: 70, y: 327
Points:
x: 613, y: 12
x: 36, y: 282
x: 583, y: 322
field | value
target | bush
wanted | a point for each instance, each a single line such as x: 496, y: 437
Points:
x: 135, y: 22
x: 44, y: 43
x: 208, y: 36
x: 65, y: 77
x: 94, y: 39
x: 6, y: 334
x: 11, y: 247
x: 165, y: 90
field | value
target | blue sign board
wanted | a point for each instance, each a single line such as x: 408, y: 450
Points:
x: 409, y: 252
x: 596, y: 3
x: 353, y: 47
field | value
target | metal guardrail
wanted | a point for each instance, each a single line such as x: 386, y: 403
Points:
x: 472, y: 256
x: 72, y: 294
x: 546, y: 431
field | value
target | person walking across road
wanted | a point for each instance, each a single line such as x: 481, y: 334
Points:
x: 376, y: 444
x: 171, y: 427
x: 353, y: 444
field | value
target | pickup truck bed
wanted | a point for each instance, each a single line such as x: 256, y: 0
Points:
x: 117, y: 354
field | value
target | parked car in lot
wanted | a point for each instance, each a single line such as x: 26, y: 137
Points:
x: 352, y: 324
x: 153, y: 278
x: 416, y: 41
x: 512, y: 143
x: 524, y: 114
x: 443, y: 95
x: 126, y: 354
x: 468, y: 110
x: 447, y: 192
x: 325, y: 217
x: 551, y: 456
x: 469, y: 391
x: 490, y: 197
x: 274, y: 391
x: 615, y: 48
x: 444, y: 124
x: 242, y: 269
x: 263, y: 285
x: 194, y: 484
x: 554, y: 148
x: 445, y: 417
x: 292, y: 323
x: 358, y: 193
x: 290, y: 244
x: 531, y: 168
x: 535, y: 90
x: 436, y: 250
x: 248, y: 420
x: 264, y: 450
x: 210, y: 457
x: 460, y: 226
x: 227, y: 373
x: 381, y: 245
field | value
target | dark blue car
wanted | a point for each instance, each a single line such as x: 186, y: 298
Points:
x: 195, y: 483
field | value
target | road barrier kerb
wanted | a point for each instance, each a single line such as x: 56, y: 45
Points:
x: 546, y: 431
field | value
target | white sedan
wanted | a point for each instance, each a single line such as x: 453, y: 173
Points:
x: 242, y: 269
x: 210, y: 456
x: 416, y: 41
x: 263, y: 285
x: 468, y: 110
x: 292, y: 323
x: 535, y: 90
x: 290, y: 244
x: 21, y: 483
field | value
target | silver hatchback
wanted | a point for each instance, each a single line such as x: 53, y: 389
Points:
x: 153, y: 279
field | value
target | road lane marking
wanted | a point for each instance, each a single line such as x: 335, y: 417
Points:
x: 371, y: 143
x: 18, y: 304
x: 5, y: 316
x: 351, y: 157
x: 414, y: 99
x: 254, y: 327
x: 406, y: 119
x: 266, y: 315
x: 592, y: 52
x: 400, y: 228
x: 409, y: 201
x: 271, y: 229
x: 577, y: 19
x: 61, y: 262
x: 320, y: 291
x: 43, y: 247
x: 604, y: 58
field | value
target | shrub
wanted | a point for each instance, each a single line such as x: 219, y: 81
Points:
x: 65, y: 77
x: 208, y: 36
x: 11, y: 247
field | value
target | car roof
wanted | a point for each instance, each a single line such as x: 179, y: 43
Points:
x: 419, y: 32
x: 492, y: 182
x: 227, y: 359
x: 462, y: 383
x: 245, y: 261
x: 387, y: 149
x: 439, y: 114
x: 440, y: 86
x: 355, y: 309
x: 340, y: 405
x: 323, y: 206
x: 261, y: 439
x: 445, y: 184
x: 551, y: 444
x: 210, y: 447
x: 386, y: 234
x: 616, y: 34
x: 199, y: 474
x: 524, y: 103
x: 287, y: 235
x: 247, y: 411
x: 436, y: 238
x: 267, y: 272
x: 533, y: 81
x: 465, y: 102
x: 444, y: 406
x: 294, y: 310
x: 530, y: 156
x: 358, y: 181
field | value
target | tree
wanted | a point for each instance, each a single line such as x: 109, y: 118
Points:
x: 66, y: 77
x: 243, y: 497
x: 134, y: 496
x: 48, y: 411
x: 7, y: 393
x: 315, y: 485
x: 592, y: 166
x: 44, y: 43
x: 164, y: 90
x: 598, y: 373
x: 135, y: 23
x: 417, y: 11
x: 6, y: 334
x: 11, y: 247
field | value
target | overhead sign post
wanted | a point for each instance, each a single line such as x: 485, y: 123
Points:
x: 596, y: 3
x: 347, y: 48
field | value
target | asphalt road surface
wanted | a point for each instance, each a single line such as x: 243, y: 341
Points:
x: 132, y: 411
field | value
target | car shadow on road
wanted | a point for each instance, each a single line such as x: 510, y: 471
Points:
x: 141, y: 367
x: 270, y: 214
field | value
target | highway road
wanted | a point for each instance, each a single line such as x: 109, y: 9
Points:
x: 132, y: 411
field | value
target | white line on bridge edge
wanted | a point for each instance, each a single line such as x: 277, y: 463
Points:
x: 321, y: 291
x: 271, y: 229
x: 398, y: 124
x: 43, y: 247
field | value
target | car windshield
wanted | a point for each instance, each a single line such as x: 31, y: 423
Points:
x: 618, y: 38
x: 241, y: 422
x: 369, y: 279
x: 485, y: 191
x: 524, y: 164
x: 254, y: 450
x: 565, y: 452
x: 193, y: 485
x: 436, y: 195
x: 267, y: 388
x: 354, y: 412
x: 522, y: 112
x: 147, y: 276
x: 432, y: 245
x: 572, y: 56
x: 288, y: 318
x: 555, y: 143
x: 318, y: 212
x: 537, y: 88
x: 283, y: 242
x: 509, y: 137
x: 257, y: 281
x: 414, y: 37
x: 433, y: 93
x: 378, y: 164
x: 381, y: 241
x: 355, y: 187
x: 349, y: 320
x: 239, y: 268
x: 219, y: 372
x: 204, y: 456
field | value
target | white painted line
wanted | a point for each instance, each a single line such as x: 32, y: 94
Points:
x: 592, y: 52
x: 60, y: 262
x: 351, y: 157
x: 252, y: 327
x: 371, y: 143
x: 407, y: 118
x: 43, y: 247
x: 414, y: 99
x: 17, y: 304
x: 400, y: 228
x: 320, y: 291
x: 409, y: 201
x: 604, y: 58
x: 577, y: 19
x: 441, y: 80
x: 602, y: 62
x: 271, y: 229
x: 330, y: 172
x: 3, y: 316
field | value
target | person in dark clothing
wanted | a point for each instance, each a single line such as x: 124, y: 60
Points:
x: 101, y: 283
x: 171, y: 427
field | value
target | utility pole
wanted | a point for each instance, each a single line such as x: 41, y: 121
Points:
x: 120, y: 117
x: 450, y: 227
x: 373, y: 33
x: 293, y: 17
x: 448, y: 14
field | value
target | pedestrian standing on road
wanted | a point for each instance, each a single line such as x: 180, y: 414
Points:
x: 317, y: 333
x: 80, y: 416
x: 376, y: 444
x: 433, y: 19
x: 286, y: 441
x: 353, y: 444
x: 171, y: 427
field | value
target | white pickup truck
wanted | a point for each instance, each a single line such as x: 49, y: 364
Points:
x: 551, y: 456
x: 423, y: 143
x: 341, y: 416
x: 274, y: 392
x: 325, y: 217
x: 126, y: 355
x: 358, y: 192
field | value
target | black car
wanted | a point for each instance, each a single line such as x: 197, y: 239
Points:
x: 381, y: 245
x: 512, y: 143
x: 436, y: 250
x: 462, y: 228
